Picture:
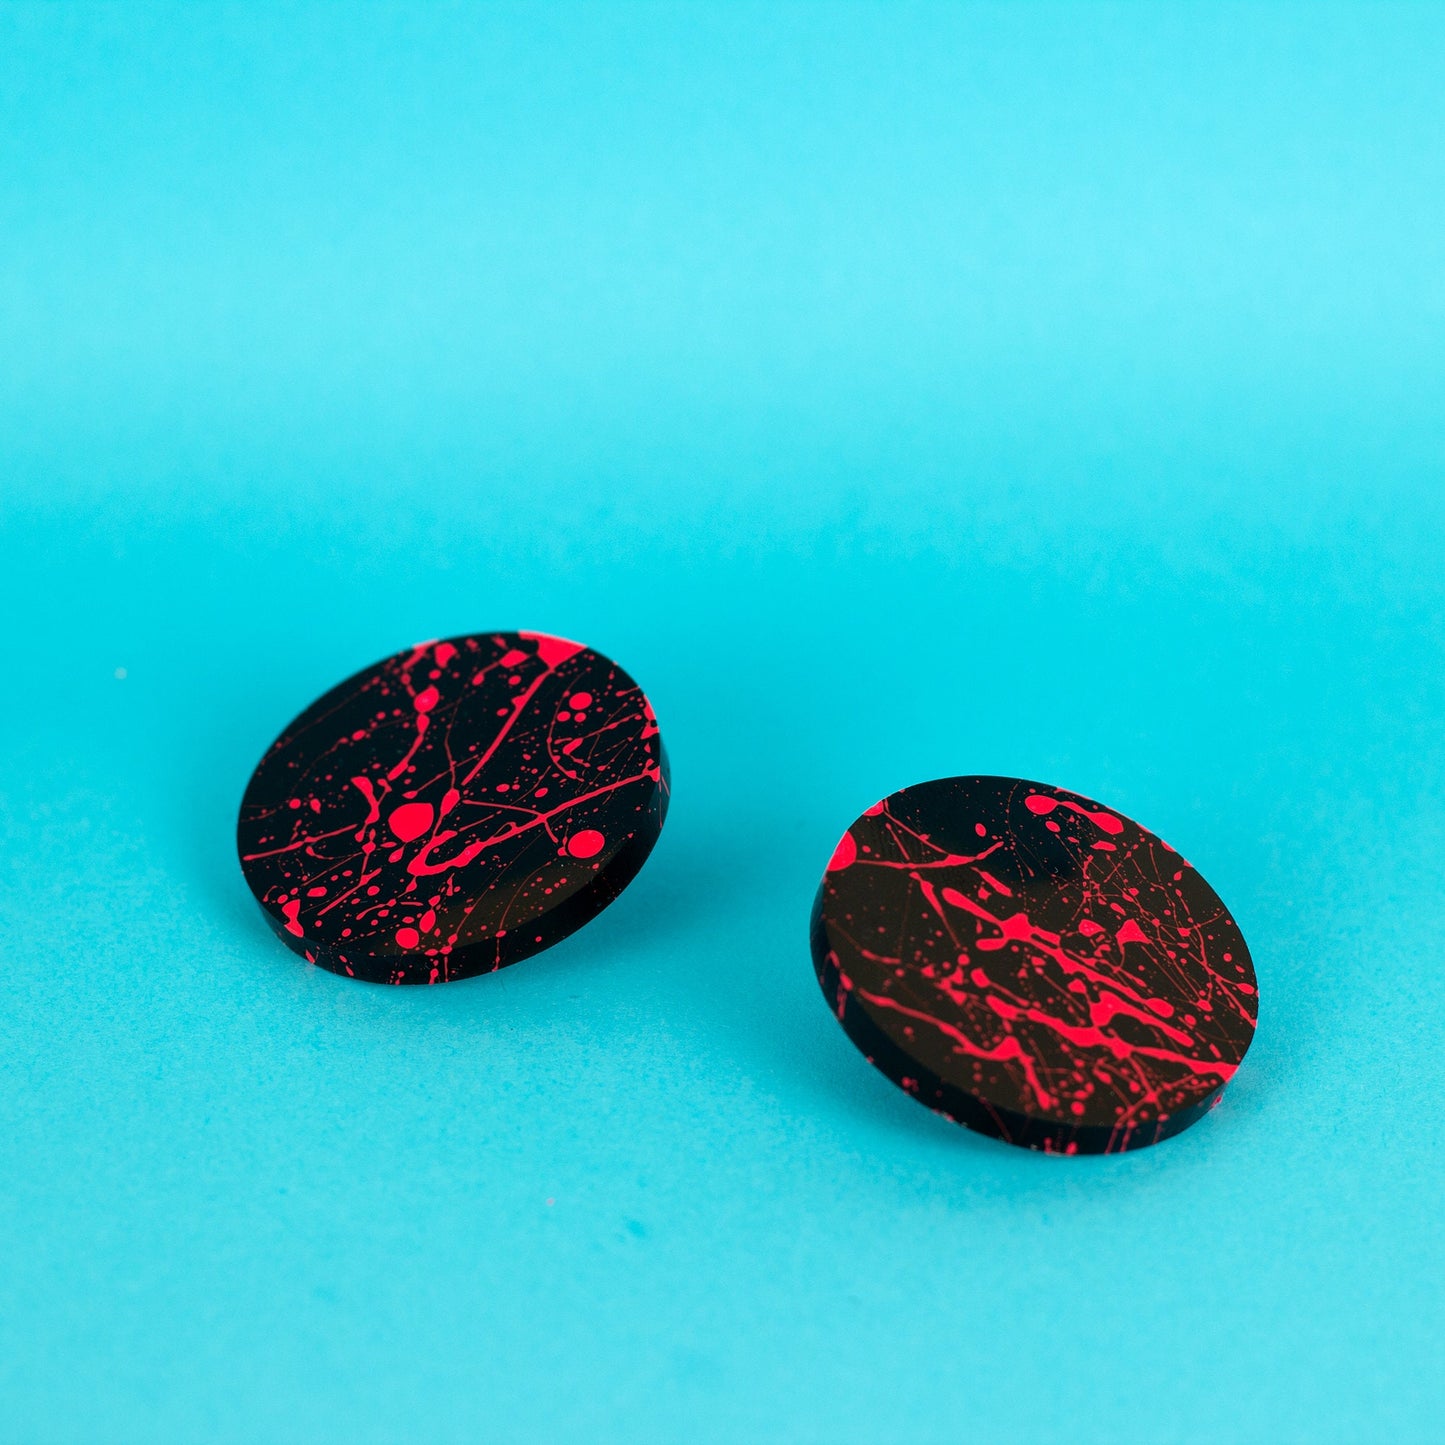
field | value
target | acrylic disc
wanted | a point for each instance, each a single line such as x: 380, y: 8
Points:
x: 1033, y: 964
x: 454, y: 808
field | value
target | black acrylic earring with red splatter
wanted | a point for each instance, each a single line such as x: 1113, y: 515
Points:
x: 454, y: 808
x: 1033, y: 965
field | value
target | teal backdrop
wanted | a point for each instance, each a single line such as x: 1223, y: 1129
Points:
x: 895, y: 391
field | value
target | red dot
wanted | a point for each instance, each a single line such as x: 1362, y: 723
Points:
x: 410, y: 820
x: 579, y: 700
x: 586, y: 844
x: 408, y: 937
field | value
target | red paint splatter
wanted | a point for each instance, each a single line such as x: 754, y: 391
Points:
x: 586, y: 844
x: 367, y: 792
x: 1105, y: 822
x: 553, y: 651
x: 410, y: 821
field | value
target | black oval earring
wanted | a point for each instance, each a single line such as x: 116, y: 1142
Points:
x: 454, y: 808
x: 1033, y: 965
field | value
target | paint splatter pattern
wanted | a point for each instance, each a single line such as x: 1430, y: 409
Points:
x: 1033, y: 965
x: 454, y: 808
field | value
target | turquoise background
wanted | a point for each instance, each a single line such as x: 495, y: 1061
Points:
x: 896, y: 392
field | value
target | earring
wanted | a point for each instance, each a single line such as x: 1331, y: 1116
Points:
x: 454, y: 808
x: 1033, y: 965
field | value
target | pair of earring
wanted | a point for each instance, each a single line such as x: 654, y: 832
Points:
x: 1014, y: 956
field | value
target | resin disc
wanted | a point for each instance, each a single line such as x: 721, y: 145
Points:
x: 1033, y: 965
x: 454, y: 808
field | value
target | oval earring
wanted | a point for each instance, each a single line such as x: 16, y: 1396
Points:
x: 454, y: 808
x: 1033, y: 965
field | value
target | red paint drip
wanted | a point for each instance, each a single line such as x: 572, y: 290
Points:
x: 410, y: 821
